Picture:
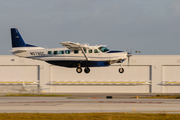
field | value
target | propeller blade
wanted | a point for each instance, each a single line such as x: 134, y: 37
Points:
x: 128, y: 56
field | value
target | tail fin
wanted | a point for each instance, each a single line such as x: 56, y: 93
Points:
x: 17, y: 40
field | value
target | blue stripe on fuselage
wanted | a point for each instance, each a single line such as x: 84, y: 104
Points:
x: 83, y: 63
x: 114, y: 51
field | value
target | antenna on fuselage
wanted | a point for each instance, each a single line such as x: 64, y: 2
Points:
x: 45, y: 46
x: 87, y: 44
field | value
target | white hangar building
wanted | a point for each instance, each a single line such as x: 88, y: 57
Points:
x: 145, y: 74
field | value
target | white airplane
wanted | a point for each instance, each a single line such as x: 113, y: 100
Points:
x: 73, y: 55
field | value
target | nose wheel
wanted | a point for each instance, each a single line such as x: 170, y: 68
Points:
x: 121, y: 70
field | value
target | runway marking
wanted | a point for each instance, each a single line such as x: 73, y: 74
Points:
x: 87, y: 102
x: 129, y: 102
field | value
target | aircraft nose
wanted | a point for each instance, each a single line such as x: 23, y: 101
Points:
x: 129, y: 54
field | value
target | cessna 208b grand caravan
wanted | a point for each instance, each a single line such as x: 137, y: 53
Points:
x: 73, y: 55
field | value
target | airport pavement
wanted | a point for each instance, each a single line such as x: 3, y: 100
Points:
x: 64, y: 105
x: 103, y: 95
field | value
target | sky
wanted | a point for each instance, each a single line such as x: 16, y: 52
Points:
x: 149, y: 26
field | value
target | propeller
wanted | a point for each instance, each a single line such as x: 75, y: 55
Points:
x: 129, y: 55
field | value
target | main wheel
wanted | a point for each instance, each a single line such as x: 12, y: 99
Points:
x: 121, y: 70
x: 86, y: 70
x: 79, y: 70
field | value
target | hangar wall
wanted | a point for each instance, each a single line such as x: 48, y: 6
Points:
x: 144, y: 74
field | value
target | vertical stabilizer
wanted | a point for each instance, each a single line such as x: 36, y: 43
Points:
x: 18, y: 44
x: 17, y: 40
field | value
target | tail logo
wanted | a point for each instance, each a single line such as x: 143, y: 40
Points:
x: 16, y: 30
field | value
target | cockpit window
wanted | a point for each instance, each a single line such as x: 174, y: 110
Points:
x: 103, y: 49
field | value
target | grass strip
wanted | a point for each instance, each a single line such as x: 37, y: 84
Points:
x: 163, y: 97
x: 87, y: 116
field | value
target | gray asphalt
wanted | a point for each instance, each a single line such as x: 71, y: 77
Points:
x: 88, y: 105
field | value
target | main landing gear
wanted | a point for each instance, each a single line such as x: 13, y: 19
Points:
x: 86, y: 70
x: 79, y: 69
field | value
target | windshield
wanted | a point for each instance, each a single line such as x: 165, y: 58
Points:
x: 103, y: 49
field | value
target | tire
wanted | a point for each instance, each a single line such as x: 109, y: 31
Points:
x: 86, y: 70
x: 79, y: 70
x: 121, y: 70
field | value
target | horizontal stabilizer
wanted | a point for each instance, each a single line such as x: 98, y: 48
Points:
x: 18, y: 51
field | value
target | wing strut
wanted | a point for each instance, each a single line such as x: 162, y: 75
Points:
x: 84, y: 53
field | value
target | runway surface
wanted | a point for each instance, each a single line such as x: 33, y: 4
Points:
x: 64, y: 105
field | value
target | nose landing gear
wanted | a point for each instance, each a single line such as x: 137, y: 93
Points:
x: 121, y: 69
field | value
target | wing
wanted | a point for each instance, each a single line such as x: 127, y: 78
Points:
x: 75, y: 46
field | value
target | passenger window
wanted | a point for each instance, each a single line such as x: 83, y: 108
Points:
x: 61, y: 52
x: 55, y: 52
x: 76, y: 51
x: 50, y: 52
x: 96, y: 51
x: 90, y: 51
x: 67, y: 51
